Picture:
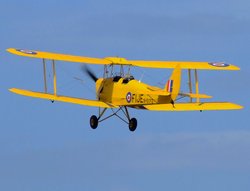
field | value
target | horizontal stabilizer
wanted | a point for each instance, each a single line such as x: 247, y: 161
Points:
x: 193, y: 106
x: 200, y: 96
x: 53, y: 97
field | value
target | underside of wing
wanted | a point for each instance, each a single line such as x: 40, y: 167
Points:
x: 56, y: 56
x: 184, y: 65
x: 123, y: 61
x: 193, y: 106
x: 53, y: 97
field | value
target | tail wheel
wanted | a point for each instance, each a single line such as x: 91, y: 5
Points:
x: 132, y: 124
x: 93, y: 122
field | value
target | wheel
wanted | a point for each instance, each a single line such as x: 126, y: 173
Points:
x: 93, y: 122
x: 132, y: 124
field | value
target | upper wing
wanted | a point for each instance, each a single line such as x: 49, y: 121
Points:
x: 184, y: 65
x: 123, y: 61
x: 56, y: 56
x: 53, y: 97
x: 193, y: 106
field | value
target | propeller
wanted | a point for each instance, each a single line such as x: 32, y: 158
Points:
x: 89, y: 72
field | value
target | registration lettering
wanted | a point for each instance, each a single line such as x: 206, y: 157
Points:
x: 142, y: 99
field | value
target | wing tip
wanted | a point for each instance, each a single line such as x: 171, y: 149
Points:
x: 11, y: 89
x: 238, y: 106
x: 233, y: 67
x: 10, y: 50
x: 15, y: 90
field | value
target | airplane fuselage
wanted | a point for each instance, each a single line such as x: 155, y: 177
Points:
x: 128, y: 91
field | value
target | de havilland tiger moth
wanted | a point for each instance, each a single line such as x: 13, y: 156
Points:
x: 121, y: 91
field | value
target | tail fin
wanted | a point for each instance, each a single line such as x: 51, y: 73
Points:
x: 174, y: 83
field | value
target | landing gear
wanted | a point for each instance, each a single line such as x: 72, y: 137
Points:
x: 132, y: 124
x: 93, y: 122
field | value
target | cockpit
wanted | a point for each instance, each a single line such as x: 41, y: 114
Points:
x: 128, y: 79
x: 116, y: 78
x: 125, y: 79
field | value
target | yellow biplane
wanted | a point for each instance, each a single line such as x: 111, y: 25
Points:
x: 120, y: 91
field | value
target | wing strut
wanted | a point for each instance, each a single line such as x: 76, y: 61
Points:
x: 45, y: 77
x: 54, y: 76
x: 190, y: 84
x: 196, y: 95
x: 196, y: 85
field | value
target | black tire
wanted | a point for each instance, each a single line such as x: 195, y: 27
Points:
x: 93, y: 122
x: 132, y: 124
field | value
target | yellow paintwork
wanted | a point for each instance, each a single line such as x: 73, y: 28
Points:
x: 117, y: 60
x: 118, y: 91
x: 194, y: 106
x: 183, y: 65
x: 196, y: 86
x: 123, y: 61
x: 201, y: 96
x: 54, y: 78
x: 176, y: 77
x: 53, y: 97
x: 56, y: 56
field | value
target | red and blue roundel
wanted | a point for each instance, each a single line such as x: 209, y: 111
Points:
x: 26, y: 51
x: 129, y: 97
x: 219, y: 64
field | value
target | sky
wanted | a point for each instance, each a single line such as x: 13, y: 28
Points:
x: 45, y: 146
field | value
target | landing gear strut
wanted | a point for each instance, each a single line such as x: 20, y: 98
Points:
x: 132, y: 123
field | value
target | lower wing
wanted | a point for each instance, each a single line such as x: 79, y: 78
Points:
x: 53, y: 97
x: 192, y: 106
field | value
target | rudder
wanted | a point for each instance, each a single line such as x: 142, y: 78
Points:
x: 174, y: 83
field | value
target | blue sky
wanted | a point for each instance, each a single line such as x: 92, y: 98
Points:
x: 47, y: 146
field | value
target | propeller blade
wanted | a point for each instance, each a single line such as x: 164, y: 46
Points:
x: 89, y: 72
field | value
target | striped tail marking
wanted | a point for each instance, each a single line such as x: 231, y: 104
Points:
x: 170, y: 86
